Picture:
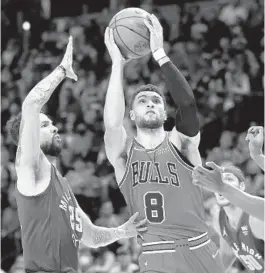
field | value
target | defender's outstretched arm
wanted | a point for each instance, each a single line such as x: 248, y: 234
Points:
x: 28, y: 152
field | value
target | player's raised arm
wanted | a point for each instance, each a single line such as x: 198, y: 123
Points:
x: 28, y: 152
x: 187, y: 120
x: 213, y: 180
x: 114, y: 109
x: 255, y: 137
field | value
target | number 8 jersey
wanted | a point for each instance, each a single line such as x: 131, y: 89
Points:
x: 158, y: 184
x: 248, y: 249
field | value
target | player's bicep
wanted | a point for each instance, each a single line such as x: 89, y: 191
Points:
x: 115, y: 141
x: 257, y: 227
x: 29, y: 136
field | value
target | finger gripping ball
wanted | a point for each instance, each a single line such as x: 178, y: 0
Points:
x: 130, y: 32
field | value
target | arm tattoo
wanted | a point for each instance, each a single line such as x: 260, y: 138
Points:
x: 104, y: 236
x: 18, y: 155
x: 44, y: 89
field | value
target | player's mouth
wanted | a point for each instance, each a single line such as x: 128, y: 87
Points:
x: 150, y: 112
x: 57, y: 137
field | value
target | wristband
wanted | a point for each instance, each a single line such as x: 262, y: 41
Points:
x: 64, y: 70
x: 159, y: 54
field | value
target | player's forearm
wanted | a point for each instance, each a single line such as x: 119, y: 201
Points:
x: 187, y: 121
x: 101, y: 236
x: 251, y: 204
x: 41, y: 93
x: 259, y: 158
x: 114, y: 109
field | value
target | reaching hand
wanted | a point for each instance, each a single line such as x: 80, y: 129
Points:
x: 156, y: 33
x: 132, y: 228
x: 113, y: 49
x: 255, y: 136
x: 211, y: 180
x: 67, y: 61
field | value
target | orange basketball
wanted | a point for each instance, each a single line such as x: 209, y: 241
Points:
x: 130, y: 32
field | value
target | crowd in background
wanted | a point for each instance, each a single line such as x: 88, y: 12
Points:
x: 219, y: 49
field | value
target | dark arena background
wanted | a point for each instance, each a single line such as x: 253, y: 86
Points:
x: 218, y: 46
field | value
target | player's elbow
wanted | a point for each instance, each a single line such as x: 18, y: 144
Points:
x: 31, y: 104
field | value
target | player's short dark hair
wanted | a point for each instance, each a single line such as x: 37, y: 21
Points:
x: 12, y: 127
x: 235, y: 171
x: 147, y: 87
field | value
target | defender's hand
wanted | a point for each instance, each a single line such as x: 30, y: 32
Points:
x: 113, y: 49
x: 67, y: 61
x: 132, y: 228
x: 156, y: 33
x: 211, y: 180
x: 255, y: 136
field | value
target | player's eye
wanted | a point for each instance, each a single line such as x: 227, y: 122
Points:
x: 156, y: 101
x: 142, y: 100
x: 44, y: 125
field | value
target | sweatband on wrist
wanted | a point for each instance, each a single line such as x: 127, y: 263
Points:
x: 159, y: 54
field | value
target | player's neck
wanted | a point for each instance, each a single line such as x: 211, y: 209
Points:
x: 52, y: 159
x: 234, y: 214
x: 150, y: 138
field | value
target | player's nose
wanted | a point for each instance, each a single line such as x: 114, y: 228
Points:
x: 150, y: 104
x: 54, y: 130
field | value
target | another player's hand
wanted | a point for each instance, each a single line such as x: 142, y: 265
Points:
x: 211, y: 180
x: 113, y: 49
x: 255, y: 136
x: 67, y: 61
x: 156, y: 32
x: 132, y: 228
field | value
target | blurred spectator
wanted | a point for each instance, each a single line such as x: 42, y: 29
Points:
x: 124, y: 262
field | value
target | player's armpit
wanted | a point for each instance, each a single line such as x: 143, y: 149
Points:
x: 257, y: 227
x: 181, y: 138
x: 115, y: 142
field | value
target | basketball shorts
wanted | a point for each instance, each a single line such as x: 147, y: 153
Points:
x: 194, y: 255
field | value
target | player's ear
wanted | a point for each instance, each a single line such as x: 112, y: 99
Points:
x: 132, y: 115
x: 242, y: 186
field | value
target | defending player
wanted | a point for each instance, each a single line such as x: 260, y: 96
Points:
x: 240, y: 217
x: 154, y: 170
x: 52, y: 223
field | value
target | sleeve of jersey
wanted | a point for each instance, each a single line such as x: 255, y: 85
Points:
x: 187, y: 118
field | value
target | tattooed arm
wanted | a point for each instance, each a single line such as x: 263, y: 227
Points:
x: 28, y: 152
x: 95, y: 236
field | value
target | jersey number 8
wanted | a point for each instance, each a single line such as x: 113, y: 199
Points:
x: 154, y: 207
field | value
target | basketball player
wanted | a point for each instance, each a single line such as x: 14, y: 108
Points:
x: 255, y: 136
x: 154, y: 169
x: 239, y: 220
x: 52, y: 223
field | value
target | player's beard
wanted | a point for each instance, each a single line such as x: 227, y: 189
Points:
x: 145, y: 123
x: 52, y: 149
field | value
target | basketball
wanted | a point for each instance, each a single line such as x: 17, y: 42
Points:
x: 130, y: 32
